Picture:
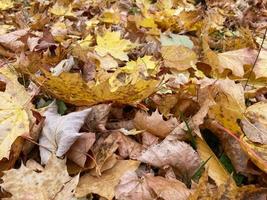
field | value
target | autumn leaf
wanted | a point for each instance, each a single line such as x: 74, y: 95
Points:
x: 105, y: 184
x: 132, y: 187
x: 42, y: 185
x: 72, y: 89
x: 177, y: 154
x: 110, y: 43
x: 6, y: 4
x: 215, y: 169
x: 14, y: 116
x: 154, y: 124
x: 254, y: 126
x: 60, y: 132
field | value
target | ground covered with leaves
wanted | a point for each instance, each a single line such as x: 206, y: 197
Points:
x: 133, y: 99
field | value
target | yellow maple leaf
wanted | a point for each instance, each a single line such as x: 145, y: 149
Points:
x: 6, y: 4
x: 71, y: 88
x: 110, y: 16
x: 110, y: 43
x: 85, y: 42
x: 62, y: 10
x: 14, y: 119
x: 178, y: 57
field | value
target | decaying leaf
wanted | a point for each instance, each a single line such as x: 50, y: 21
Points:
x: 78, y: 150
x: 256, y: 123
x: 154, y: 124
x: 106, y: 183
x: 60, y: 132
x: 52, y: 183
x: 132, y: 187
x: 168, y: 189
x: 177, y: 154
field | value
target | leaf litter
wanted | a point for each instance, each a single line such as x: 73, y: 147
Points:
x: 133, y: 99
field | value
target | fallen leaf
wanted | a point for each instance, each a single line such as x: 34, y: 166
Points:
x: 178, y: 57
x: 42, y: 185
x: 168, y: 189
x: 60, y: 132
x: 131, y: 187
x: 6, y: 4
x: 230, y: 104
x: 14, y: 111
x: 11, y: 40
x: 255, y: 125
x: 110, y: 43
x: 64, y: 66
x: 82, y: 94
x: 176, y: 40
x: 78, y: 150
x: 215, y: 169
x: 256, y: 152
x: 154, y: 124
x: 127, y: 147
x: 177, y: 154
x: 60, y: 9
x: 106, y: 183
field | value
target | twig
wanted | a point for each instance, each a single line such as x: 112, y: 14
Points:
x: 254, y: 64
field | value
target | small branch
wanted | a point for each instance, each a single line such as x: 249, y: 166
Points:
x: 254, y: 64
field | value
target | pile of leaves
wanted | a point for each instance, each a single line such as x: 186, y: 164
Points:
x: 133, y: 99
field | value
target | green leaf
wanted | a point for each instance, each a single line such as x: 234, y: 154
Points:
x: 62, y: 108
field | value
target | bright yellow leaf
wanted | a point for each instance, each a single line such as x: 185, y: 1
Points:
x: 14, y: 119
x: 6, y: 4
x: 62, y: 10
x: 71, y: 88
x: 110, y: 43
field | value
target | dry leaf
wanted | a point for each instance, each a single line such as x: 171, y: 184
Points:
x: 131, y: 187
x: 78, y: 150
x: 60, y: 132
x: 215, y: 169
x: 24, y: 183
x: 127, y: 147
x: 168, y: 189
x: 15, y: 116
x: 256, y: 123
x: 110, y: 43
x: 178, y: 57
x: 72, y: 89
x: 154, y: 124
x: 106, y: 183
x: 179, y: 155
